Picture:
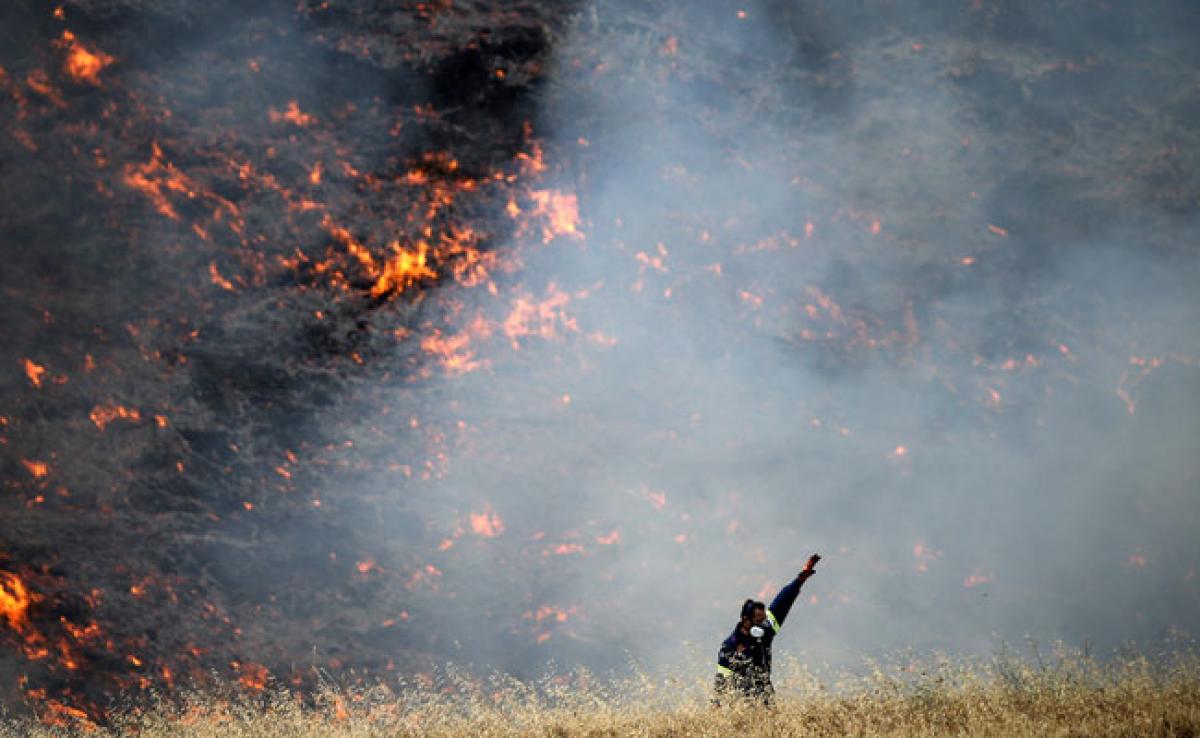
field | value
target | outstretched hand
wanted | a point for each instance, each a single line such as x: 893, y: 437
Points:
x: 810, y: 567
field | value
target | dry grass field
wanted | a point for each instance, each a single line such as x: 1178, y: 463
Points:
x: 1064, y: 695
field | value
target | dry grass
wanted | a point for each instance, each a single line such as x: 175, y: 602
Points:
x: 1067, y: 695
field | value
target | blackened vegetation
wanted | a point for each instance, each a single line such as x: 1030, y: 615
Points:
x: 204, y: 544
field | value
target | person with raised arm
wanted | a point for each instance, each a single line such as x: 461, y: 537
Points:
x: 744, y: 661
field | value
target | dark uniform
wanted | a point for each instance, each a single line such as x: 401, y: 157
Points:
x: 744, y: 662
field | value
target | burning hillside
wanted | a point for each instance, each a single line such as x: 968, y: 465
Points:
x: 342, y: 336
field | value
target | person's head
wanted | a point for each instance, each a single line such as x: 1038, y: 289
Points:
x: 753, y: 613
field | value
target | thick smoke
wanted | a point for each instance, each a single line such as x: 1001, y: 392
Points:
x: 973, y: 439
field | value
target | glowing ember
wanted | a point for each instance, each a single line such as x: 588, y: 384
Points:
x: 292, y: 114
x: 541, y: 319
x: 610, y: 539
x: 217, y: 279
x: 486, y: 524
x: 102, y: 415
x: 83, y: 64
x: 14, y: 601
x: 559, y: 210
x: 403, y: 269
x: 38, y: 469
x: 156, y: 178
x: 252, y: 676
x: 976, y: 578
x: 366, y: 566
x: 924, y: 556
x: 34, y: 372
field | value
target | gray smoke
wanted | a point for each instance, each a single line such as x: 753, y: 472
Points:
x: 999, y: 200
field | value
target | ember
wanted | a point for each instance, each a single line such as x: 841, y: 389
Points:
x: 83, y: 64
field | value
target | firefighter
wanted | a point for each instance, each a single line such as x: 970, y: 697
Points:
x: 744, y: 661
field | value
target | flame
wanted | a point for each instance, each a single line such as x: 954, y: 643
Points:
x: 38, y: 469
x: 366, y: 566
x: 486, y: 524
x: 35, y: 372
x: 14, y: 601
x: 993, y: 399
x: 252, y: 676
x: 551, y: 612
x: 102, y: 415
x: 610, y: 539
x: 217, y: 279
x: 530, y: 318
x: 157, y: 177
x: 56, y: 713
x: 292, y: 114
x: 38, y: 81
x: 455, y: 352
x: 560, y: 211
x: 924, y: 555
x: 83, y: 65
x: 403, y: 269
x: 977, y: 578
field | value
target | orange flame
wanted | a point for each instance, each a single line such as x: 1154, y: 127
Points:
x: 404, y: 269
x: 157, y: 177
x: 14, y: 600
x: 83, y: 64
x: 976, y: 579
x: 487, y: 524
x: 560, y: 211
x: 59, y: 714
x: 529, y: 318
x: 551, y: 612
x: 38, y: 469
x: 35, y: 372
x: 292, y: 114
x: 253, y: 676
x: 102, y: 415
x: 217, y: 279
x: 455, y: 352
x: 366, y: 566
x: 924, y: 554
x: 610, y: 539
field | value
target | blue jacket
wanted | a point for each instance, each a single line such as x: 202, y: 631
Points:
x: 743, y: 655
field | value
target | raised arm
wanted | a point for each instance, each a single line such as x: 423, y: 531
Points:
x: 782, y: 604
